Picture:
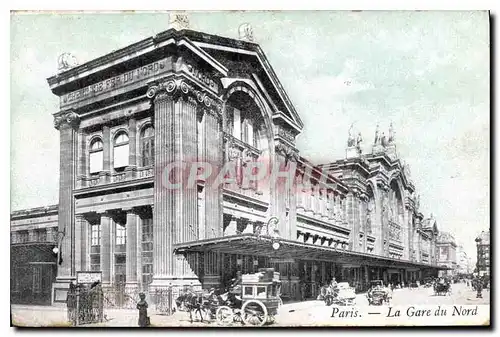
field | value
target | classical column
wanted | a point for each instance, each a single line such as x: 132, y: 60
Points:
x: 80, y: 242
x: 212, y: 154
x: 67, y: 123
x: 283, y: 204
x: 85, y: 245
x: 175, y: 213
x: 106, y: 224
x: 132, y: 243
x: 82, y: 157
x: 132, y: 146
x: 352, y: 215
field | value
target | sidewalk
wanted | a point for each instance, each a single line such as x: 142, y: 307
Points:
x: 56, y: 316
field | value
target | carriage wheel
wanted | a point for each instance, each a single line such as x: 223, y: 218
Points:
x: 224, y: 315
x: 254, y: 312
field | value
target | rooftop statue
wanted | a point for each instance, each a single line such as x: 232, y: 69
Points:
x: 359, y: 140
x: 245, y: 32
x: 179, y: 21
x: 391, y: 134
x: 383, y: 140
x: 66, y: 61
x: 350, y: 140
x: 377, y: 137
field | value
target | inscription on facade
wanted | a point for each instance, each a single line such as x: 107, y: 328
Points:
x: 202, y: 77
x: 116, y: 82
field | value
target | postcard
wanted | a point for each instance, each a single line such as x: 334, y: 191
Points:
x: 250, y: 169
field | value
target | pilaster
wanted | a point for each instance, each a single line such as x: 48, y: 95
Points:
x: 131, y: 169
x: 283, y: 205
x: 212, y: 155
x: 106, y: 153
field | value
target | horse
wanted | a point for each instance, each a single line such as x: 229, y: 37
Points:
x: 197, y: 302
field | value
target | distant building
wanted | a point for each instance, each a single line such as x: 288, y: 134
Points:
x: 463, y: 261
x: 447, y: 253
x: 483, y: 253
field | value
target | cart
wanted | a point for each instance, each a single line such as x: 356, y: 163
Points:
x: 260, y: 300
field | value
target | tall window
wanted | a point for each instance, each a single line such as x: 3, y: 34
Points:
x: 248, y: 135
x: 95, y: 247
x: 236, y: 123
x: 148, y: 146
x: 121, y: 234
x: 120, y: 151
x: 96, y: 235
x: 147, y: 251
x: 96, y: 156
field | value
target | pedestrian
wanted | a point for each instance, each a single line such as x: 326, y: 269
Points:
x: 71, y: 303
x: 479, y: 288
x: 302, y: 288
x: 142, y: 305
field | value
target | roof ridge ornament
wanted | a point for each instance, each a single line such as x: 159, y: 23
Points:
x: 179, y: 20
x: 245, y: 32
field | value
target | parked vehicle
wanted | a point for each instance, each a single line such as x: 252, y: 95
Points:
x: 378, y: 294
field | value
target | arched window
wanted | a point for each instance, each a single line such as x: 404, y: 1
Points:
x: 120, y: 151
x: 148, y: 146
x: 95, y: 156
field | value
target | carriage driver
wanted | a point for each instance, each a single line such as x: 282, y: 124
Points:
x: 235, y: 288
x: 334, y: 286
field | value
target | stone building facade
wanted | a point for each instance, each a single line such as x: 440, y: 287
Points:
x: 483, y: 253
x: 447, y: 253
x: 141, y: 127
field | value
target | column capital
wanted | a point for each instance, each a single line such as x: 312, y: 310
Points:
x: 66, y: 117
x: 174, y: 88
x: 287, y: 151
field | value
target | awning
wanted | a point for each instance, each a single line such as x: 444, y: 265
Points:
x: 252, y: 244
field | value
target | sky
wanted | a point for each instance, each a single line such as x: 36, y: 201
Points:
x: 426, y: 72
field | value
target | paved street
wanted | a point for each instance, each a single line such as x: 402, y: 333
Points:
x: 304, y: 313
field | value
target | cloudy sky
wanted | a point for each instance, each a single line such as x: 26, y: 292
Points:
x: 427, y: 72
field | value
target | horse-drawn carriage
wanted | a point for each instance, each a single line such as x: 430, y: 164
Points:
x: 258, y: 301
x: 442, y: 287
x: 253, y: 300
